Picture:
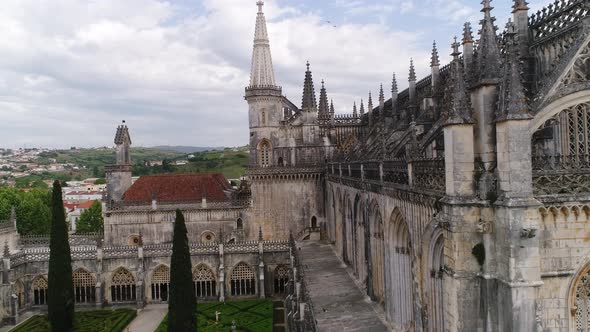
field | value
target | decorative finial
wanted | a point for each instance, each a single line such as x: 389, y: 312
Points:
x: 260, y: 4
x: 412, y: 76
x: 362, y: 111
x: 455, y: 47
x: 512, y: 100
x: 394, y: 85
x: 434, y: 60
x: 354, y: 112
x: 487, y: 6
x: 123, y: 121
x: 370, y: 104
x: 332, y: 107
x: 381, y: 99
x: 520, y: 5
x: 467, y: 33
x: 307, y: 64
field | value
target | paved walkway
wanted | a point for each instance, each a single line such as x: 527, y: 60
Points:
x: 339, y: 304
x: 148, y: 319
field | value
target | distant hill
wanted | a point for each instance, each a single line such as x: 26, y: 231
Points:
x: 186, y: 149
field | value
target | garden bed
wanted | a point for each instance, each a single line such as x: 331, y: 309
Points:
x: 249, y: 316
x: 84, y: 321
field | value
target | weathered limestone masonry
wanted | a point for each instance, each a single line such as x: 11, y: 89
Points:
x: 462, y: 202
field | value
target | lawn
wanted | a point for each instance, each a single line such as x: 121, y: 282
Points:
x: 85, y: 321
x: 249, y: 315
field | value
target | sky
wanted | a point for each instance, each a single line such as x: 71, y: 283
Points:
x: 175, y: 70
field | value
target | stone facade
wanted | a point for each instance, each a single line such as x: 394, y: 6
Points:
x: 461, y: 203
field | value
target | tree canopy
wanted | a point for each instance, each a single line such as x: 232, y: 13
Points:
x: 91, y: 220
x: 181, y: 305
x: 60, y: 290
x: 33, y: 209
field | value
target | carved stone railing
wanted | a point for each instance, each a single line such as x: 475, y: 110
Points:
x: 558, y: 174
x: 558, y: 17
x: 396, y: 171
x: 429, y: 174
x: 173, y: 205
x: 89, y: 239
x: 301, y: 168
x: 372, y: 170
x: 243, y: 247
x: 298, y: 304
x: 90, y: 252
x: 203, y: 249
x: 120, y: 252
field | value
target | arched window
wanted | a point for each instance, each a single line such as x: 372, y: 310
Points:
x: 40, y: 291
x: 123, y: 286
x: 281, y: 279
x: 314, y: 222
x: 19, y: 291
x: 204, y: 281
x: 436, y: 320
x: 84, y: 286
x: 581, y: 302
x: 243, y: 281
x: 160, y: 283
x: 207, y: 237
x: 239, y: 224
x: 264, y: 149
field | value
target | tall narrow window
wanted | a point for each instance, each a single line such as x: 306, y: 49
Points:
x: 265, y: 151
x: 281, y: 279
x: 160, y: 283
x: 582, y: 303
x: 204, y: 282
x: 84, y: 286
x: 263, y: 118
x: 243, y: 281
x: 19, y: 291
x: 123, y: 286
x: 40, y: 291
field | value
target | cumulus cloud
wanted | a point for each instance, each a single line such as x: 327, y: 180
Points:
x: 70, y: 70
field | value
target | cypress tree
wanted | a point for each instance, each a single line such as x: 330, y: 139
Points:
x: 60, y: 292
x: 182, y: 302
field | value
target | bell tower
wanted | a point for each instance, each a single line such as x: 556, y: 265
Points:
x: 264, y: 99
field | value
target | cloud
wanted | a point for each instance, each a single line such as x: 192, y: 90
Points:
x: 71, y: 70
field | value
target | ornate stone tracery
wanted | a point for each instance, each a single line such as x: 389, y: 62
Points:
x: 84, y: 286
x: 204, y: 281
x: 123, y: 287
x: 39, y: 290
x: 243, y: 280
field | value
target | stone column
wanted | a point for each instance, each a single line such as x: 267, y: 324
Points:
x: 13, y: 309
x: 99, y: 292
x: 221, y: 275
x: 140, y: 291
x: 458, y: 217
x: 261, y: 293
x: 517, y: 217
x: 459, y: 160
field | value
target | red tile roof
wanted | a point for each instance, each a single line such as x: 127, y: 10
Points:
x: 178, y: 188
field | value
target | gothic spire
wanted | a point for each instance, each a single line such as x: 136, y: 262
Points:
x: 434, y: 59
x: 324, y: 108
x: 488, y: 55
x: 362, y: 111
x: 354, y: 111
x: 332, y: 108
x: 381, y: 99
x: 412, y: 76
x: 467, y: 33
x: 512, y: 101
x: 460, y: 108
x: 370, y: 108
x: 309, y: 103
x: 262, y: 73
x: 394, y: 90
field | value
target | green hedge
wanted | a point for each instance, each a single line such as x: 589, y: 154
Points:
x: 85, y: 321
x: 249, y: 315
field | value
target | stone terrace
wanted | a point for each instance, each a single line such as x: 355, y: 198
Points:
x: 339, y: 305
